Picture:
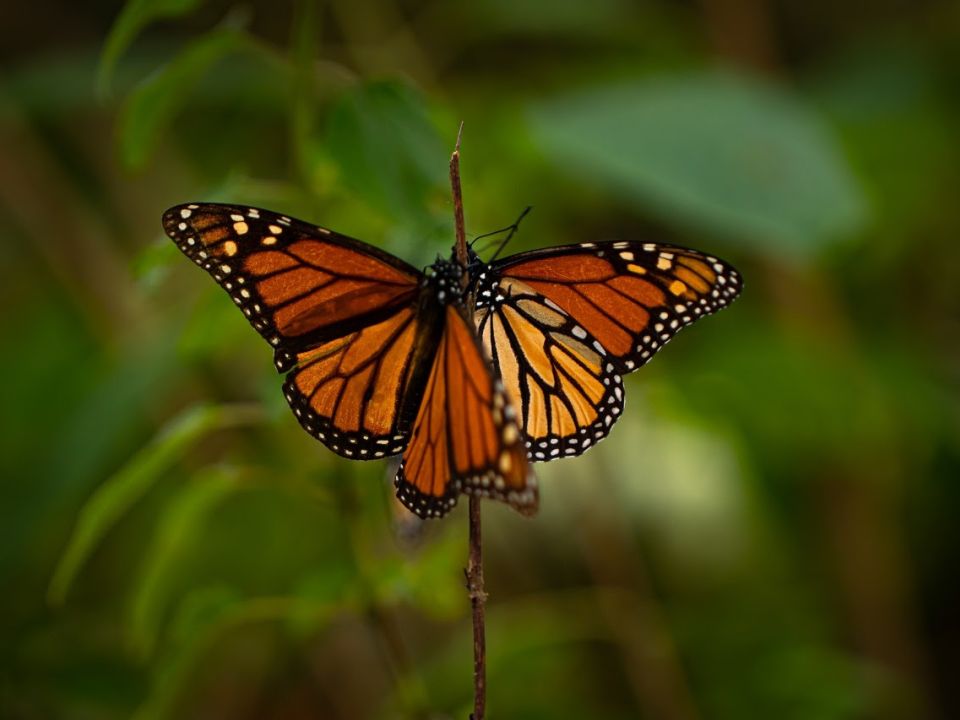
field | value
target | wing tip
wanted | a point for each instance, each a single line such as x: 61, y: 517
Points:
x: 172, y: 216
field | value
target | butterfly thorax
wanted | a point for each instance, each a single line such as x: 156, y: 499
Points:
x: 445, y: 278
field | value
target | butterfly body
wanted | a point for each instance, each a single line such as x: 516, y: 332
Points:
x: 470, y: 372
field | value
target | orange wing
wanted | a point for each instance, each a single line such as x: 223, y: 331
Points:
x: 354, y: 393
x: 465, y: 437
x: 631, y: 297
x: 342, y: 315
x: 567, y: 392
x: 298, y: 284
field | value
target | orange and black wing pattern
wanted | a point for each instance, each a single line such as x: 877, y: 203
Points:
x: 299, y: 285
x: 557, y: 375
x: 631, y: 297
x: 353, y: 393
x: 342, y: 316
x: 465, y: 437
x: 377, y: 364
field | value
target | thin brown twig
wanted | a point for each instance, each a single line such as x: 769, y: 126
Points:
x: 478, y: 599
x: 474, y: 571
x: 459, y: 228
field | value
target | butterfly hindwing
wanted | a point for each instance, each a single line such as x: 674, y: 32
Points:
x: 351, y: 393
x: 567, y: 392
x: 465, y: 437
x: 631, y: 297
x: 299, y: 285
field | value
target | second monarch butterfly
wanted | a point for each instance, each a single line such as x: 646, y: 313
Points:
x: 381, y: 358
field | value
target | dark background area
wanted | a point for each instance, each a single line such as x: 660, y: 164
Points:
x: 769, y: 532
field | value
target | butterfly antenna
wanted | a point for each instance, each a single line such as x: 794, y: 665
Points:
x: 495, y: 232
x: 486, y: 246
x: 513, y: 229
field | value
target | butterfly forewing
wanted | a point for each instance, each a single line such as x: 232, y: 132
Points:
x: 299, y: 285
x: 632, y: 297
x: 465, y: 437
x: 567, y: 392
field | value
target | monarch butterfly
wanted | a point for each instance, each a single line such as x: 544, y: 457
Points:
x: 381, y: 358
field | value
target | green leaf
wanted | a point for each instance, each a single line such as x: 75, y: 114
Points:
x: 151, y: 107
x: 213, y: 329
x: 209, y: 615
x: 431, y: 580
x: 176, y: 531
x: 712, y: 151
x: 134, y: 17
x: 303, y: 116
x: 388, y: 150
x: 112, y: 499
x: 151, y: 264
x: 320, y: 595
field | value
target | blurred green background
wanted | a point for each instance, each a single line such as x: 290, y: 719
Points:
x: 771, y: 530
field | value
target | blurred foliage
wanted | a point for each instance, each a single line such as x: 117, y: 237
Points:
x: 759, y: 166
x: 769, y: 532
